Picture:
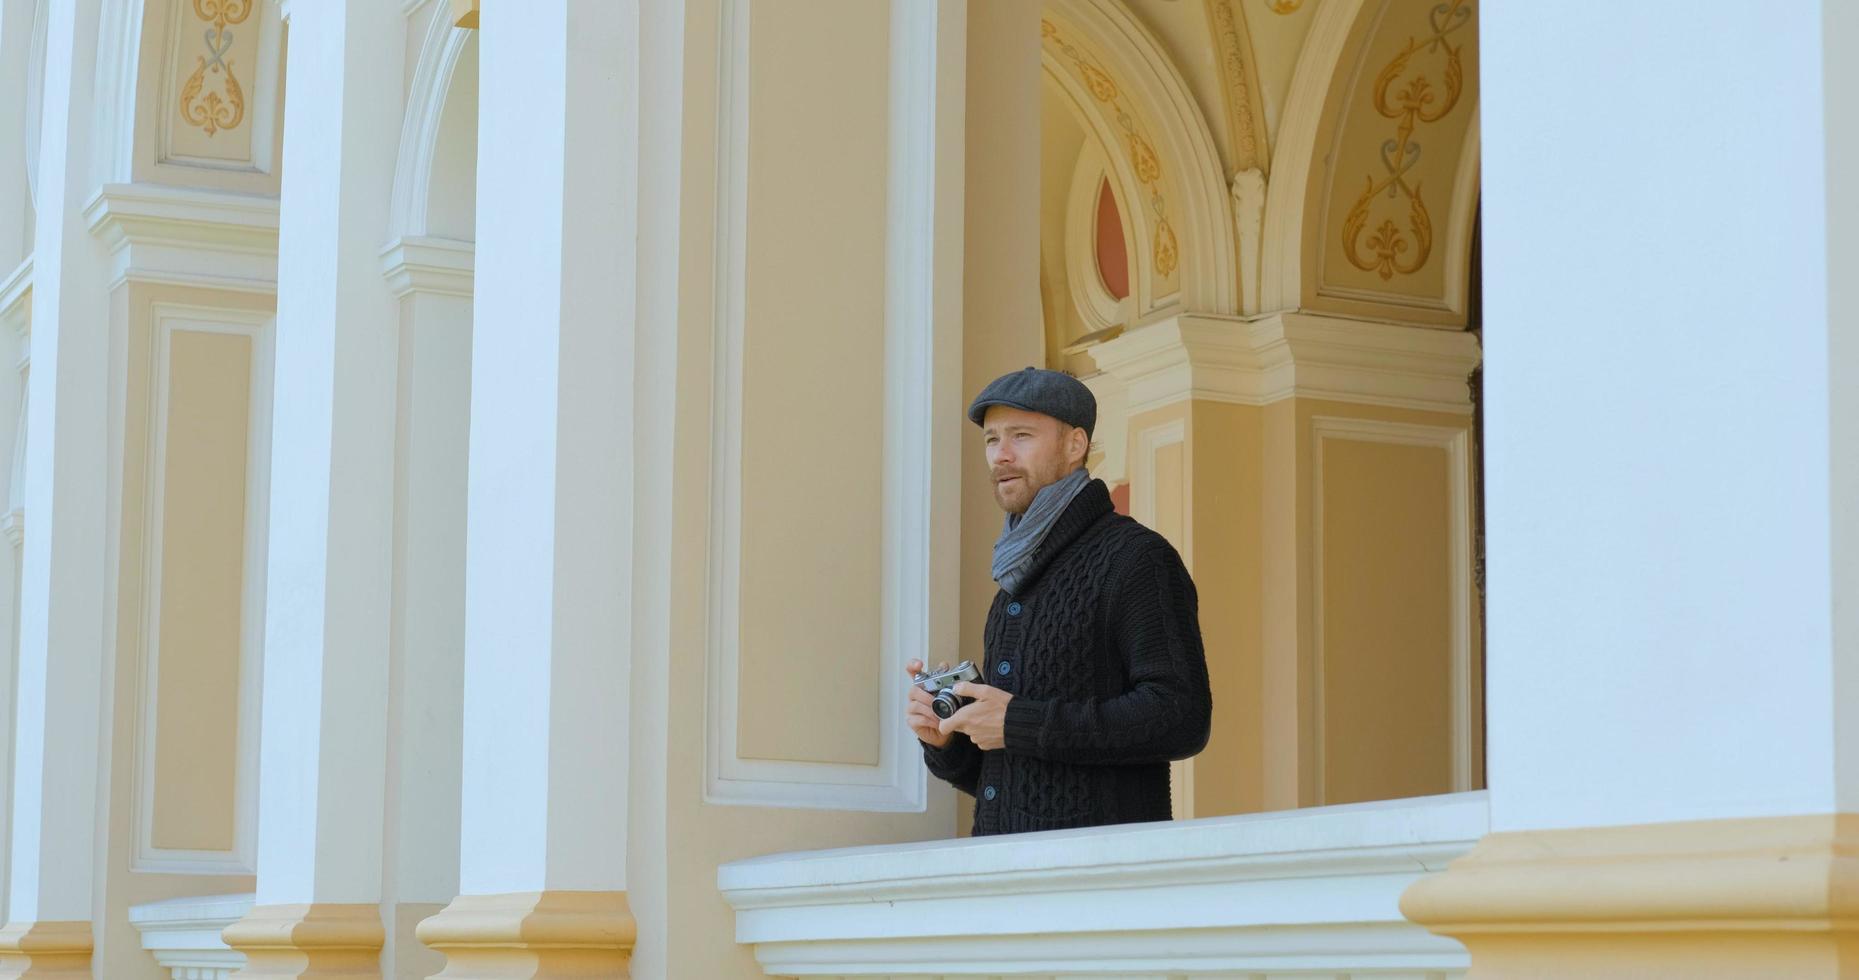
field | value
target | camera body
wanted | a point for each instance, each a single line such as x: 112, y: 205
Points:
x: 941, y: 687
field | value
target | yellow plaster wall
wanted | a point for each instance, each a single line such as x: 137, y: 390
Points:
x: 1000, y: 271
x: 119, y: 953
x: 1225, y: 498
x: 202, y: 581
x: 1386, y: 626
x: 1380, y: 584
x: 1207, y: 491
x: 695, y: 836
x: 1285, y: 678
x: 813, y: 379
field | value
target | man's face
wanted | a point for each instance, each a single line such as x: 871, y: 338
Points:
x: 1027, y: 452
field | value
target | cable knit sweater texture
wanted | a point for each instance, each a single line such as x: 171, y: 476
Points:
x: 1101, y: 649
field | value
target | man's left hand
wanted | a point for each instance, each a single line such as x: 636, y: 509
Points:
x: 984, y: 721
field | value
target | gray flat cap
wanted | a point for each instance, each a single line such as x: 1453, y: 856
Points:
x: 1053, y: 393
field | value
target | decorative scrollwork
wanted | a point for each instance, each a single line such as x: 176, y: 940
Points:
x: 1145, y: 163
x: 223, y: 106
x: 1234, y: 49
x: 1283, y: 6
x: 1415, y: 103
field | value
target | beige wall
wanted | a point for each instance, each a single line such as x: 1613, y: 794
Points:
x: 1002, y: 316
x: 833, y: 317
x: 1202, y: 459
x: 202, y: 564
x: 1386, y: 628
x: 813, y: 407
x: 1326, y: 595
x: 1361, y: 607
x: 191, y: 792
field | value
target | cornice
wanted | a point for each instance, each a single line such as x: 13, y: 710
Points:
x: 1260, y: 360
x: 187, y: 236
x: 429, y: 265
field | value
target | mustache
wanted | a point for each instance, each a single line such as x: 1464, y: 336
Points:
x: 1003, y: 471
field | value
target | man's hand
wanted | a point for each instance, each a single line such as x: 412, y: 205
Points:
x: 917, y: 711
x: 984, y: 721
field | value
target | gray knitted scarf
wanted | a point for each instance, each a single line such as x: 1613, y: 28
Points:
x: 1021, y: 537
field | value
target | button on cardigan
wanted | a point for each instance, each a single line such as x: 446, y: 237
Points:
x: 1101, y: 650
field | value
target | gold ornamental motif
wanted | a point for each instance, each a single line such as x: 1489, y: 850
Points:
x: 214, y: 108
x: 1234, y: 49
x: 1283, y: 6
x: 1415, y: 103
x: 1145, y: 163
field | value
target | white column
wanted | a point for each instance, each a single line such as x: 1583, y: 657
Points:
x: 64, y: 650
x: 1657, y: 450
x: 327, y: 620
x: 549, y: 512
x: 1663, y: 676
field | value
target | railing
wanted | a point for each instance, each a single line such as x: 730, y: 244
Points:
x: 183, y: 934
x: 1306, y: 893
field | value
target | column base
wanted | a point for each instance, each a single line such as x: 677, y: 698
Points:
x: 1707, y: 900
x: 533, y: 936
x: 45, y: 951
x: 286, y: 942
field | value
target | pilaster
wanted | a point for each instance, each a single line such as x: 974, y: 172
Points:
x: 1228, y: 425
x: 549, y: 515
x: 64, y: 668
x: 1668, y: 684
x: 328, y: 618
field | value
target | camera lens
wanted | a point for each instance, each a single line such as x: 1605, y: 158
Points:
x: 944, y: 704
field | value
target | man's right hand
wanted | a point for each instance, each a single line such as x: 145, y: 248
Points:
x: 923, y: 721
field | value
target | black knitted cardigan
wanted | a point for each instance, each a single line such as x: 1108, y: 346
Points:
x: 1101, y: 650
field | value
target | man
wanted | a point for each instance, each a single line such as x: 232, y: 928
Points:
x: 1093, y: 662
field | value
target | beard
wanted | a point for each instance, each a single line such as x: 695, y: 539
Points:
x: 1016, y: 495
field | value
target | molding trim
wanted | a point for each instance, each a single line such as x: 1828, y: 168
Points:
x: 183, y: 934
x: 1143, y: 505
x: 418, y: 264
x: 1784, y: 886
x: 16, y: 298
x: 419, y: 131
x: 533, y: 934
x: 1463, y: 215
x: 1311, y: 892
x: 1294, y: 153
x: 285, y: 942
x: 917, y: 388
x: 187, y: 237
x: 46, y: 950
x: 242, y: 859
x: 1083, y: 279
x: 1456, y: 441
x: 1187, y: 161
x: 1149, y: 441
x: 35, y: 92
x: 1284, y: 355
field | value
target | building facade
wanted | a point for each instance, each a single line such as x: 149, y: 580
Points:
x: 478, y: 469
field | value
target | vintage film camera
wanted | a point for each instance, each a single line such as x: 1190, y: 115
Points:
x: 941, y: 687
